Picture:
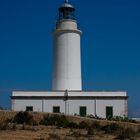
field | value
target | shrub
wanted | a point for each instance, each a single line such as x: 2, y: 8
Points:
x: 76, y: 134
x: 7, y: 124
x: 4, y: 125
x: 83, y: 125
x: 72, y: 125
x: 56, y: 120
x: 96, y: 125
x: 122, y: 119
x: 75, y: 114
x: 23, y: 117
x: 139, y: 130
x: 125, y: 133
x: 90, y: 131
x: 91, y: 116
x: 62, y: 121
x: 112, y: 128
x: 14, y: 126
x: 54, y: 136
x: 132, y: 121
x: 93, y: 125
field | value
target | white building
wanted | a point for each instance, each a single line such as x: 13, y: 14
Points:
x: 67, y: 95
x: 102, y: 104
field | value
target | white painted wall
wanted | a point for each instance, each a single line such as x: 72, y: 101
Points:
x: 66, y: 24
x: 72, y: 105
x: 20, y: 105
x: 67, y: 56
x: 48, y: 106
x: 118, y: 107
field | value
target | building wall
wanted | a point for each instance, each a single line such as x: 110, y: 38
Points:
x: 74, y: 106
x: 117, y: 104
x: 48, y: 105
x: 20, y: 104
x: 71, y: 106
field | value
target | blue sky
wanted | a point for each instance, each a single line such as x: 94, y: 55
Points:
x: 110, y: 46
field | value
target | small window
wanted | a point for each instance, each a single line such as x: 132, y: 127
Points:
x: 83, y: 111
x: 109, y: 112
x: 56, y: 109
x: 29, y: 108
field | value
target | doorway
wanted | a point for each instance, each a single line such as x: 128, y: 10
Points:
x: 109, y: 112
x: 83, y: 111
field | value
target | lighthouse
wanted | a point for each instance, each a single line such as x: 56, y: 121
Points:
x: 67, y: 95
x: 67, y: 56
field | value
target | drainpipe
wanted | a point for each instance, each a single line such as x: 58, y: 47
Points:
x: 95, y: 107
x: 65, y: 99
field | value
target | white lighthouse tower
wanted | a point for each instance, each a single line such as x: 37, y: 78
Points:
x: 67, y: 58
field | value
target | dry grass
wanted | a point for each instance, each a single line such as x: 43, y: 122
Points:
x: 50, y: 133
x: 93, y: 130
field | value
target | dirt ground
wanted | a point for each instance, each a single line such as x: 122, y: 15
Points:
x: 52, y: 133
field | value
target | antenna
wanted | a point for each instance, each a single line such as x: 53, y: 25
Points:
x: 66, y: 1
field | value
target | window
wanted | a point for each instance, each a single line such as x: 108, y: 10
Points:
x: 29, y: 108
x: 109, y: 111
x: 56, y: 109
x: 83, y: 111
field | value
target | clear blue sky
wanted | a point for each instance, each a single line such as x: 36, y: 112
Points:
x: 110, y: 46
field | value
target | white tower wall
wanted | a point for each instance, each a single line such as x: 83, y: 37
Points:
x: 67, y: 58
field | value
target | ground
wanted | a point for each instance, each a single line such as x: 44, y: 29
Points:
x: 49, y: 126
x: 52, y: 133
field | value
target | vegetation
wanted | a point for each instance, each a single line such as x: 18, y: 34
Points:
x: 3, y: 125
x: 122, y: 119
x: 23, y: 117
x: 112, y: 128
x: 56, y: 120
x: 125, y: 133
x: 79, y: 128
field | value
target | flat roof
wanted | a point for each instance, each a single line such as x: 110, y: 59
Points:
x: 70, y: 93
